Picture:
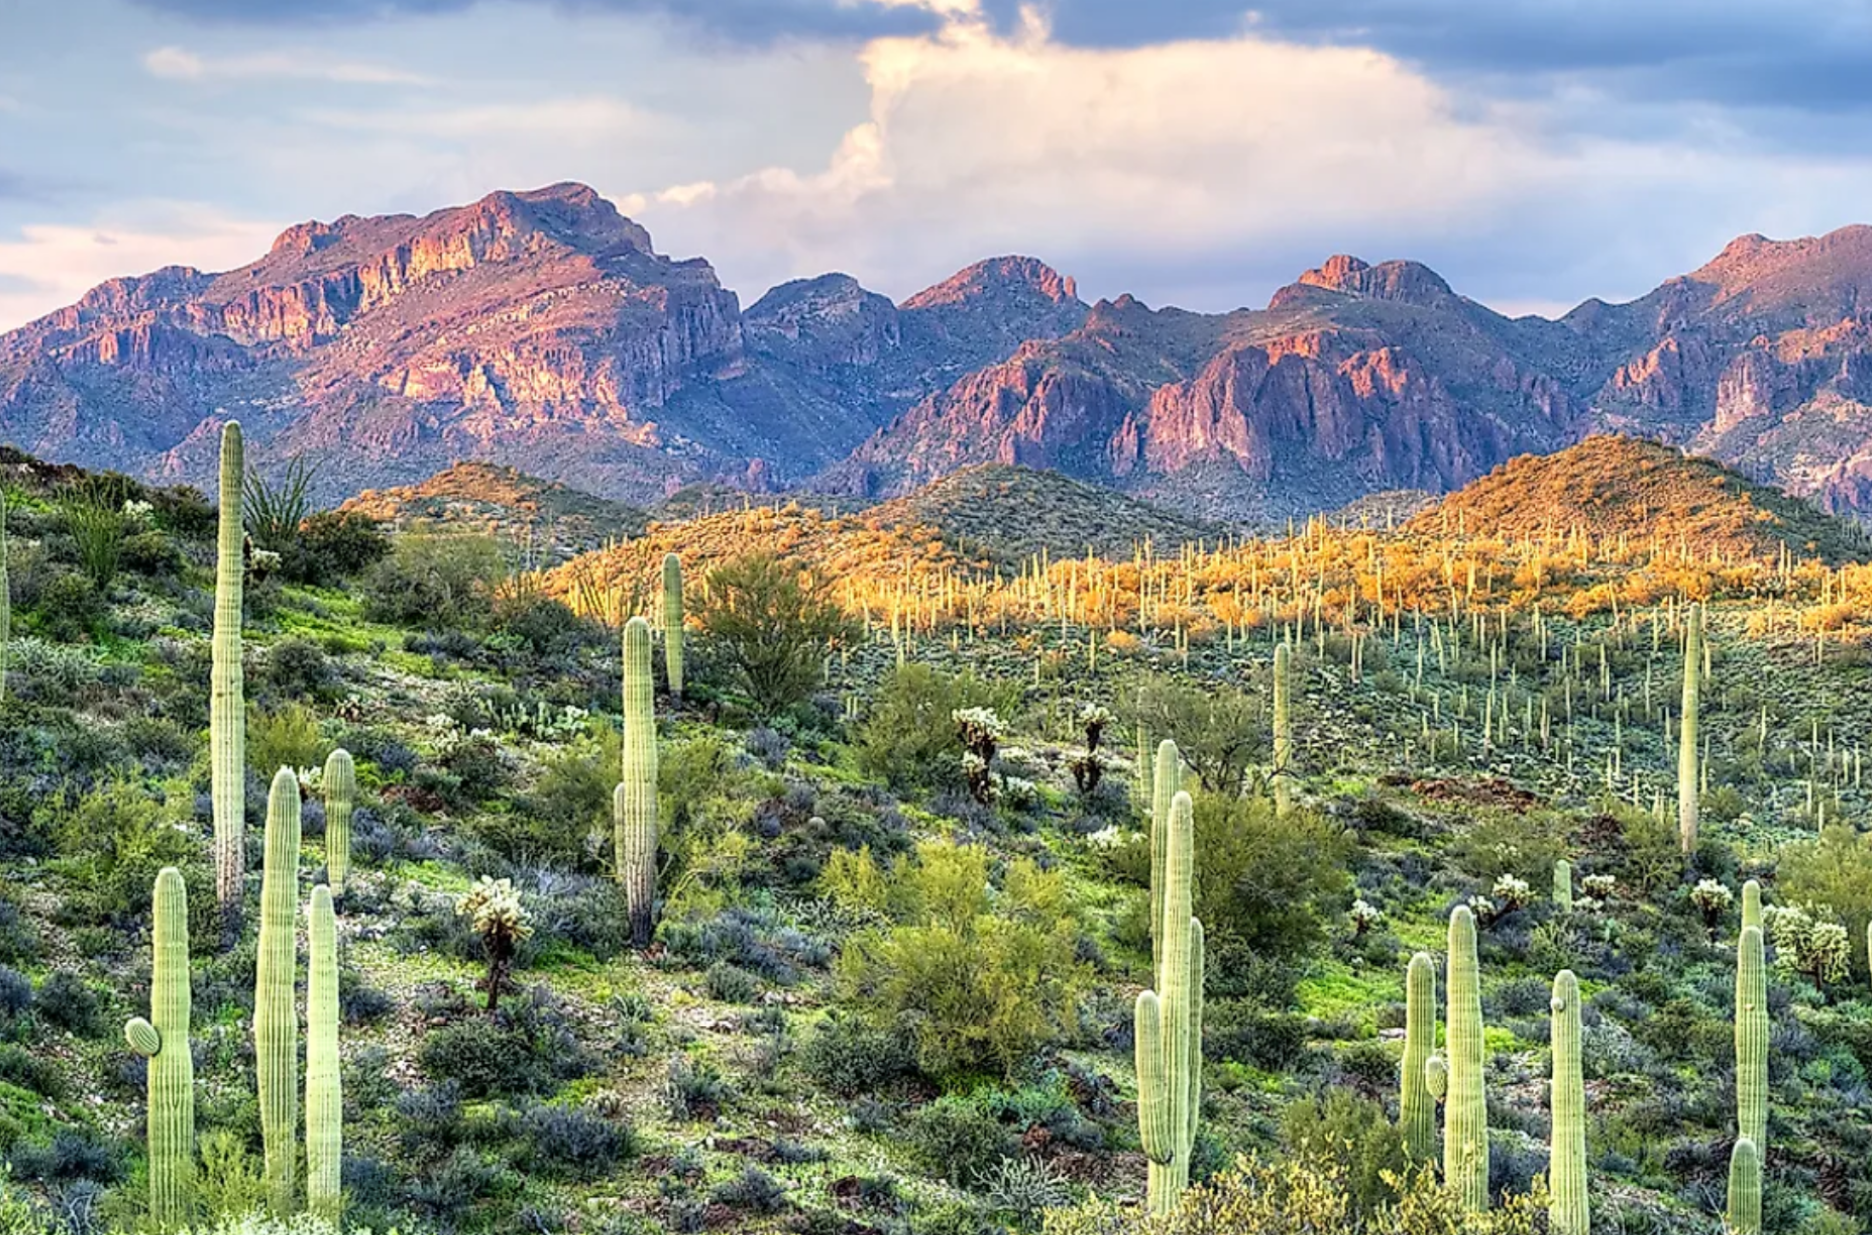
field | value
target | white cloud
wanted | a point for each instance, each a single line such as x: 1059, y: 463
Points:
x: 51, y: 265
x: 179, y: 64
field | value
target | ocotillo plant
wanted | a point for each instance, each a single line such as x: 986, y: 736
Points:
x: 1687, y: 787
x: 673, y: 623
x: 276, y: 1024
x: 1745, y: 1188
x: 1566, y: 1172
x: 227, y: 706
x: 1283, y: 732
x: 1166, y: 780
x: 1416, y: 1104
x: 164, y: 1041
x: 1751, y: 1039
x: 1563, y: 885
x: 634, y: 804
x: 324, y: 1096
x: 1465, y: 1115
x: 1169, y: 1027
x: 340, y: 784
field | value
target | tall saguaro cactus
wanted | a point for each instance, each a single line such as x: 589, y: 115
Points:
x: 1465, y: 1115
x: 1169, y: 1026
x: 164, y: 1041
x: 1283, y: 731
x: 673, y: 623
x: 276, y: 1024
x: 1687, y: 750
x: 340, y: 784
x: 1166, y: 780
x: 1416, y: 1104
x: 1745, y: 1188
x: 227, y: 704
x: 324, y: 1092
x: 634, y: 804
x: 1751, y: 1040
x: 1567, y: 1207
x: 1752, y: 905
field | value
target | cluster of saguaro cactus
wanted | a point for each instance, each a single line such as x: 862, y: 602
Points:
x: 673, y: 623
x: 1283, y: 731
x: 1169, y: 1024
x: 340, y: 785
x: 324, y: 1095
x: 1416, y: 1102
x: 1465, y: 1116
x: 1166, y: 780
x: 276, y: 1023
x: 227, y: 707
x: 1566, y: 1172
x: 1687, y: 751
x: 634, y: 804
x: 164, y: 1041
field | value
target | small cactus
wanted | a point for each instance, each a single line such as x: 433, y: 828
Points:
x: 340, y: 785
x: 1563, y: 885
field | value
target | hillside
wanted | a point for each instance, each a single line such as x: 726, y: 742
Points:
x: 1016, y: 512
x: 547, y: 520
x: 1613, y: 486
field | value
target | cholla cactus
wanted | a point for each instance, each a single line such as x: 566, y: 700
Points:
x: 1808, y: 944
x: 1712, y: 900
x: 1364, y: 916
x: 1600, y: 887
x: 494, y: 909
x: 1512, y: 892
x: 981, y: 732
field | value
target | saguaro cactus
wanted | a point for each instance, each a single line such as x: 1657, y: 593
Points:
x: 340, y: 783
x: 1416, y: 1104
x: 1745, y: 1188
x: 1169, y: 1027
x: 1563, y: 885
x: 276, y: 1024
x: 1751, y: 1040
x: 227, y: 705
x: 673, y: 623
x: 1465, y: 1116
x: 6, y: 604
x: 165, y: 1043
x: 1687, y: 750
x: 634, y: 804
x: 1283, y: 732
x: 1751, y: 905
x: 1567, y: 1208
x: 1166, y: 780
x: 324, y: 1095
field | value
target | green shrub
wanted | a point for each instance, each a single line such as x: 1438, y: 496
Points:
x: 908, y: 738
x: 771, y: 626
x: 1219, y: 729
x: 984, y: 977
x: 848, y: 1056
x: 112, y: 842
x: 1355, y: 1131
x: 436, y: 580
x: 283, y: 737
x: 333, y: 546
x: 1834, y: 871
x: 70, y: 608
x: 958, y: 1141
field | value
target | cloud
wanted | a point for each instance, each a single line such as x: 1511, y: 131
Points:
x: 177, y: 64
x: 729, y: 21
x: 49, y: 266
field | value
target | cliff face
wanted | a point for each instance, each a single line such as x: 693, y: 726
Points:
x: 542, y: 330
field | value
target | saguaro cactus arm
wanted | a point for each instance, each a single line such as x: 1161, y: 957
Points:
x: 1745, y: 1188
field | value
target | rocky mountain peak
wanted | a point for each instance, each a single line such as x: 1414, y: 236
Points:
x: 1000, y: 278
x: 1403, y: 281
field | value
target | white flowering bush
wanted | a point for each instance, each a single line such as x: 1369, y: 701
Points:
x: 1364, y: 916
x: 981, y: 732
x: 1512, y: 891
x: 1712, y: 900
x: 1808, y: 943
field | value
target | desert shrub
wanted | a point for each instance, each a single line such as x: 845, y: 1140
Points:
x: 16, y: 992
x: 332, y: 546
x: 283, y: 737
x: 957, y: 1140
x: 569, y: 807
x: 523, y: 1050
x: 1833, y: 871
x: 984, y: 979
x: 730, y: 983
x: 753, y: 1191
x: 693, y: 1090
x: 770, y: 625
x: 544, y: 626
x: 575, y: 1144
x: 908, y: 738
x: 1219, y: 729
x: 67, y: 1001
x: 1356, y: 1132
x: 849, y: 1056
x: 112, y: 842
x: 1501, y: 842
x: 70, y: 608
x: 299, y: 668
x: 1024, y: 1189
x: 435, y: 580
x: 150, y: 553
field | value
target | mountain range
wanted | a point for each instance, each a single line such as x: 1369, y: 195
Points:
x: 541, y: 330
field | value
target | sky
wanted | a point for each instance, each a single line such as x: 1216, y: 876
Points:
x: 1191, y: 152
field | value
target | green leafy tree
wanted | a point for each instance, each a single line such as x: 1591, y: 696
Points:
x: 772, y: 625
x: 1220, y: 731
